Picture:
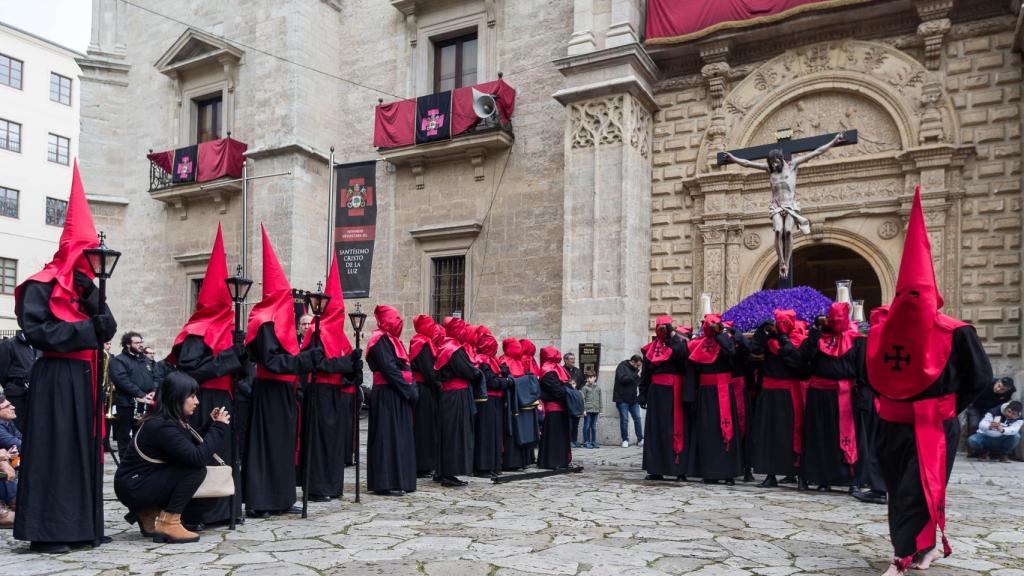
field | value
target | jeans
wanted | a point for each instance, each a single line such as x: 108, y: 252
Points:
x: 974, y: 417
x: 590, y: 428
x: 625, y: 410
x: 574, y: 429
x: 997, y: 445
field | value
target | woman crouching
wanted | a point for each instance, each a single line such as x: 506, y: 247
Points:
x: 166, y: 461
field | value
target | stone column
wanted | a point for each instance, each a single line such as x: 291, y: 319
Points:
x: 624, y: 27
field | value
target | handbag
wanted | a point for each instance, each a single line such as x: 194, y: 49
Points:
x: 219, y: 481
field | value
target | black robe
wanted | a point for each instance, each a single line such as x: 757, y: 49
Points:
x: 822, y: 461
x: 425, y: 422
x: 390, y: 448
x: 555, y: 451
x: 490, y: 424
x: 196, y: 359
x: 456, y: 412
x: 866, y: 416
x: 771, y: 432
x: 332, y: 440
x: 714, y: 460
x: 967, y: 374
x: 58, y: 499
x: 269, y: 467
x: 659, y: 457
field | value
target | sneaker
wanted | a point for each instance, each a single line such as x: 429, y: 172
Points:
x: 1004, y: 457
x: 625, y: 443
x: 640, y: 442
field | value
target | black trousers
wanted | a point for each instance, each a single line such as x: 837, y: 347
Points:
x: 168, y: 488
x: 123, y: 431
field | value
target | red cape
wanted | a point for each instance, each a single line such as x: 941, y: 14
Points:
x: 528, y: 360
x: 512, y: 351
x: 425, y: 331
x: 704, y: 349
x: 389, y: 325
x: 787, y: 323
x: 550, y: 361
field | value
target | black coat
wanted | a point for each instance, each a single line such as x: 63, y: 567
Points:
x: 132, y: 377
x: 988, y: 399
x: 164, y: 439
x: 16, y: 359
x: 627, y: 382
x: 576, y: 375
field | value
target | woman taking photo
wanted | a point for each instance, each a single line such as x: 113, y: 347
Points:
x: 156, y: 487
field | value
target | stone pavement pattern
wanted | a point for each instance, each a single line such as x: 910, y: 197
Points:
x: 606, y: 521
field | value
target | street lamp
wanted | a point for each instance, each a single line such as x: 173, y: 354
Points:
x: 238, y: 288
x: 358, y: 319
x: 102, y: 260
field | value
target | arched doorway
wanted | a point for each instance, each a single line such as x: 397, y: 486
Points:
x: 821, y: 265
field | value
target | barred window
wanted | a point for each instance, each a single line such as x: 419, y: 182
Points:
x: 10, y: 71
x: 8, y: 202
x: 10, y: 135
x: 8, y: 275
x: 56, y: 210
x: 448, y: 286
x: 60, y: 88
x: 195, y: 285
x: 58, y: 150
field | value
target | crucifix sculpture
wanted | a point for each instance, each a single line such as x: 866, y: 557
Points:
x: 782, y: 167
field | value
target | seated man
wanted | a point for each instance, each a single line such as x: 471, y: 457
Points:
x: 999, y: 432
x: 998, y: 393
x: 10, y: 445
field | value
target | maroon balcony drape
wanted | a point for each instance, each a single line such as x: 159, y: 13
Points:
x: 681, y: 20
x: 216, y: 159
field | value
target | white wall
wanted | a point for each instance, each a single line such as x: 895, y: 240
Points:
x: 27, y: 238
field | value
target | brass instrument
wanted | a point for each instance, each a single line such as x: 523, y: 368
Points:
x: 108, y: 387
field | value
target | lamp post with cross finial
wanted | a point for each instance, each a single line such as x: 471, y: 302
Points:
x: 317, y: 302
x: 238, y: 288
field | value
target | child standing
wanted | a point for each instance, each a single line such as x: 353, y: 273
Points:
x: 592, y: 406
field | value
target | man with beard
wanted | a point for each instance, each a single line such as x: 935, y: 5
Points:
x: 456, y: 372
x: 669, y: 400
x: 489, y: 421
x: 555, y: 450
x: 327, y: 442
x: 273, y: 345
x: 778, y: 416
x: 423, y: 351
x: 390, y: 447
x: 132, y: 374
x: 926, y: 368
x: 716, y: 362
x: 834, y: 356
x: 60, y: 498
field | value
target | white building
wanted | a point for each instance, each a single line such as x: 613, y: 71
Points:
x: 39, y: 127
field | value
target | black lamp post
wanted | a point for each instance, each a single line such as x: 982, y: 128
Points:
x: 102, y: 261
x: 358, y: 318
x: 238, y: 287
x: 317, y: 304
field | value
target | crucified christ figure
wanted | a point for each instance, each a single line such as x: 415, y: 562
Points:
x: 784, y: 208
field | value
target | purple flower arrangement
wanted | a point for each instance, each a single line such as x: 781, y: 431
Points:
x: 761, y: 306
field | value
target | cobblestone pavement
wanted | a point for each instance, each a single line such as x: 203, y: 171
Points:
x: 605, y: 521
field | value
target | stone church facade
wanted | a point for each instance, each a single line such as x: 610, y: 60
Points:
x: 605, y: 208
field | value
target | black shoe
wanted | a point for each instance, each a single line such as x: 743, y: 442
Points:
x: 824, y: 488
x: 681, y: 478
x: 198, y: 527
x: 50, y: 547
x: 871, y: 497
x: 319, y: 498
x: 730, y: 482
x: 748, y: 475
x: 788, y: 480
x: 852, y: 491
x: 426, y: 474
x: 482, y: 475
x: 389, y: 493
x: 706, y: 481
x: 801, y: 484
x: 453, y: 482
x: 654, y: 477
x: 257, y: 513
x: 293, y: 510
x: 769, y: 482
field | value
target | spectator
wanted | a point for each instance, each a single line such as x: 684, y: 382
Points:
x: 998, y: 433
x: 577, y: 381
x: 8, y: 477
x: 16, y: 359
x: 10, y: 451
x: 304, y: 321
x: 1000, y: 392
x: 625, y: 394
x: 592, y: 406
x: 133, y: 382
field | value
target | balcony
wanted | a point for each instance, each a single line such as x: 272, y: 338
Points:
x: 472, y: 146
x: 209, y: 171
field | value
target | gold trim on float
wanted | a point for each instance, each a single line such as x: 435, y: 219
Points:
x: 769, y: 19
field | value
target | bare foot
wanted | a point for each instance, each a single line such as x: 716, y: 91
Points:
x: 926, y: 559
x: 893, y: 570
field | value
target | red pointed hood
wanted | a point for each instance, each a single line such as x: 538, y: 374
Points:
x: 512, y: 352
x: 704, y: 349
x: 426, y: 330
x: 214, y: 318
x: 657, y: 350
x: 277, y: 305
x: 389, y: 325
x: 79, y: 234
x: 841, y: 333
x: 910, y: 345
x: 787, y: 323
x: 528, y: 357
x: 551, y: 361
x: 487, y: 349
x: 332, y: 321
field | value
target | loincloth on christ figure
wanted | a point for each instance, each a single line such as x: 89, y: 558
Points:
x: 793, y: 211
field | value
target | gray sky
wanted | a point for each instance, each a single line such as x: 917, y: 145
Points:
x: 65, y: 22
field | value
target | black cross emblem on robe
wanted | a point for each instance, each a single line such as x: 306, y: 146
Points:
x: 845, y: 442
x: 727, y: 422
x: 898, y: 360
x: 707, y: 345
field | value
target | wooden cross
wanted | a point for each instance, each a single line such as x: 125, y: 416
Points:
x: 788, y: 145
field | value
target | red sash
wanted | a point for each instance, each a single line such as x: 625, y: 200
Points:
x: 847, y: 432
x: 796, y: 396
x: 496, y: 393
x: 454, y: 384
x: 721, y: 381
x: 327, y: 378
x: 419, y: 378
x: 378, y: 378
x: 264, y: 374
x: 927, y: 416
x: 219, y: 383
x: 90, y: 357
x: 553, y: 407
x: 676, y: 382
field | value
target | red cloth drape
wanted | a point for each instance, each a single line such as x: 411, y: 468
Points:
x: 163, y: 159
x: 395, y: 124
x: 463, y: 117
x: 681, y: 20
x: 217, y: 159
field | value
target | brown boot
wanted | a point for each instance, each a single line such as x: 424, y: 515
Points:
x: 147, y: 521
x: 168, y: 529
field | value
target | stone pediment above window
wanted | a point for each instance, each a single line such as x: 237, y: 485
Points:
x: 194, y: 49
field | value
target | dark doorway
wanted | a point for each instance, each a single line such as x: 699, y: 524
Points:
x: 821, y: 265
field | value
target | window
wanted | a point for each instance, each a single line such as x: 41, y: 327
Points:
x: 10, y: 135
x: 455, y: 63
x: 8, y: 275
x: 56, y: 210
x: 60, y: 88
x: 448, y: 286
x: 58, y: 150
x: 8, y: 202
x: 208, y: 119
x: 10, y: 71
x: 195, y: 285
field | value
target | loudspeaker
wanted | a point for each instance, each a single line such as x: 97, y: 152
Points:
x: 484, y: 105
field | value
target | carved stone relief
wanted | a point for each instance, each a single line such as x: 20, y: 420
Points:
x: 752, y: 241
x: 640, y: 129
x: 597, y: 121
x: 889, y: 229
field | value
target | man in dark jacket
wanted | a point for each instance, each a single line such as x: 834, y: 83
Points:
x: 999, y: 393
x: 627, y: 382
x: 16, y: 359
x: 131, y: 373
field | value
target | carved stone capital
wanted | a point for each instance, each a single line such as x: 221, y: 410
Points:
x: 715, y: 70
x: 933, y: 28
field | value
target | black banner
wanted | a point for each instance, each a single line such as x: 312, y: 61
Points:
x: 355, y: 225
x: 434, y: 117
x: 186, y: 163
x: 589, y: 359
